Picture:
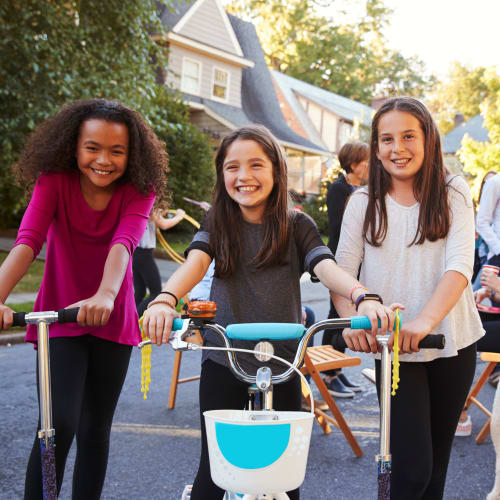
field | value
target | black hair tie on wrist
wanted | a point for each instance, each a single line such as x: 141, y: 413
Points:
x: 173, y: 295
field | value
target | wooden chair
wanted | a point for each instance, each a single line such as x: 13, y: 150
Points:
x: 319, y: 359
x: 196, y: 338
x: 492, y: 358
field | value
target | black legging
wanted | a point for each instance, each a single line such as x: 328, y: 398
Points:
x: 87, y: 375
x: 146, y: 277
x: 219, y: 389
x: 424, y: 417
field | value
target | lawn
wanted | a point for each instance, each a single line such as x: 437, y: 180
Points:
x: 32, y: 280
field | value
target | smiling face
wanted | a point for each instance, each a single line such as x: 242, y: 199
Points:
x: 248, y: 178
x: 401, y: 145
x: 101, y: 153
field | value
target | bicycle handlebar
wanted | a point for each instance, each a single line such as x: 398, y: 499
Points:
x: 61, y: 316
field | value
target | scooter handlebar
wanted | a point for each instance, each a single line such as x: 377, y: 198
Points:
x: 63, y: 316
x: 437, y: 341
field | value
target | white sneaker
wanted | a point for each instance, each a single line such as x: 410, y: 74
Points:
x: 464, y: 429
x: 186, y: 494
x: 369, y: 373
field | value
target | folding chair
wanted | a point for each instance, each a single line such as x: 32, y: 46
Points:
x: 195, y: 339
x: 492, y: 358
x: 319, y: 359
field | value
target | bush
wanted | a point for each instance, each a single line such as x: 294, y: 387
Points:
x: 190, y: 152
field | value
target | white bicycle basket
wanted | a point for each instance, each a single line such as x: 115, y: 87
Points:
x: 258, y: 452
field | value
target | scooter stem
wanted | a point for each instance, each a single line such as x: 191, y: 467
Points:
x: 385, y: 400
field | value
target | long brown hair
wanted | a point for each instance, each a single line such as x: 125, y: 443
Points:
x: 429, y: 186
x: 224, y: 218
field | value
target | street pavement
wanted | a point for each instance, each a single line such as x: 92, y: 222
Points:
x: 154, y: 451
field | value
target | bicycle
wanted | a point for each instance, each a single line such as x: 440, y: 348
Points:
x: 47, y: 433
x: 262, y: 453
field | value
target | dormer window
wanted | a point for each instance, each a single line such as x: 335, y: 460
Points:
x: 191, y: 76
x: 220, y: 86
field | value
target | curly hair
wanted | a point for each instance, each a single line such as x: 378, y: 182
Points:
x: 52, y: 147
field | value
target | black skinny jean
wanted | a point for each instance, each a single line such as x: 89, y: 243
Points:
x: 219, y: 389
x: 146, y: 277
x: 424, y: 417
x: 87, y: 375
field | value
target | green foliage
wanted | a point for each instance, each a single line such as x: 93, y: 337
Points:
x: 462, y: 91
x: 56, y: 52
x: 480, y: 157
x: 316, y: 206
x: 350, y: 58
x: 192, y: 173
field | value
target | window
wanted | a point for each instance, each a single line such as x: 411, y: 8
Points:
x: 220, y: 84
x: 191, y: 71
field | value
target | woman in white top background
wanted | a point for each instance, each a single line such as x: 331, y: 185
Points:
x: 412, y: 231
x: 144, y: 268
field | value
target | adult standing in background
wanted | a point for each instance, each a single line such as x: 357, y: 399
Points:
x: 144, y: 268
x: 488, y: 218
x: 488, y: 227
x: 353, y: 158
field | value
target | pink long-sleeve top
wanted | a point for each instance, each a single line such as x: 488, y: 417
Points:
x: 78, y: 242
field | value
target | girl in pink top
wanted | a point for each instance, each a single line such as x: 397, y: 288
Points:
x: 92, y: 171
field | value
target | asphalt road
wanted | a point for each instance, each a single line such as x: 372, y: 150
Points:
x: 154, y: 451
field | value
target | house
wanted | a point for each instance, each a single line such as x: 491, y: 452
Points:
x: 452, y: 141
x: 321, y: 116
x: 217, y: 62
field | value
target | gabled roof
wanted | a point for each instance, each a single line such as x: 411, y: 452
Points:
x: 452, y: 141
x: 259, y: 101
x: 341, y: 106
x: 170, y: 16
x: 258, y: 96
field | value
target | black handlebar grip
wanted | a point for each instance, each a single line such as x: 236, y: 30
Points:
x: 67, y: 315
x: 430, y: 342
x: 433, y: 342
x: 19, y: 319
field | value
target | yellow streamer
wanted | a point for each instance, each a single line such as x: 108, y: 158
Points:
x: 395, y: 357
x: 145, y: 363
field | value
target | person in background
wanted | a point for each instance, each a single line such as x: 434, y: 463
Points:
x: 145, y: 271
x: 488, y: 227
x: 353, y: 158
x: 481, y: 253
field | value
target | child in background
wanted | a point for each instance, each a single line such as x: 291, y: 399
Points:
x: 145, y: 271
x: 260, y: 249
x: 412, y: 232
x: 95, y: 167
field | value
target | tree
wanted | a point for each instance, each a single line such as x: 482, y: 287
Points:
x: 481, y: 157
x: 462, y: 91
x: 350, y: 58
x: 55, y: 52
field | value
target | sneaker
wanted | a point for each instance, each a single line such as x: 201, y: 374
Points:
x: 369, y: 373
x: 464, y: 428
x: 337, y: 389
x: 348, y: 383
x: 186, y: 494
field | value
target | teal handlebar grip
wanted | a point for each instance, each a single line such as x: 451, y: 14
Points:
x: 177, y: 324
x: 363, y: 323
x: 268, y: 331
